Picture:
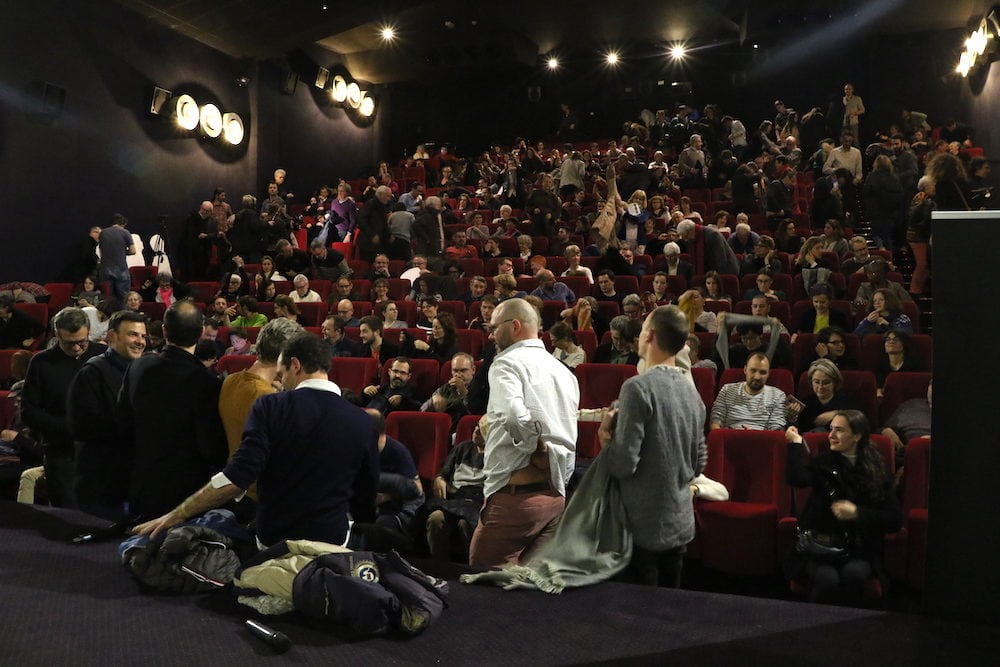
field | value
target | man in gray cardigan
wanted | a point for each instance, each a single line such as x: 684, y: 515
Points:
x: 655, y: 445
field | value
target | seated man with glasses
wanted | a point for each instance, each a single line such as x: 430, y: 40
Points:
x: 43, y: 404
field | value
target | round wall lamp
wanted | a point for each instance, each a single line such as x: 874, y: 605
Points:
x: 367, y: 107
x: 232, y: 128
x: 339, y: 89
x: 211, y: 120
x: 187, y: 112
x: 353, y: 95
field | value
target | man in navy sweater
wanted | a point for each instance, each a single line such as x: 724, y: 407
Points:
x: 313, y: 455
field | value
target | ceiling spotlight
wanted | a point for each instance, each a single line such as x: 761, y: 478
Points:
x: 553, y: 63
x: 677, y: 52
x: 232, y: 128
x: 388, y: 33
x: 211, y: 121
x: 338, y: 91
x: 187, y: 112
x: 367, y: 105
x: 354, y: 95
x: 756, y: 46
x: 612, y: 57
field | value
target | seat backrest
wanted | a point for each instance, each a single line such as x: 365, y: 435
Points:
x: 704, y: 382
x: 312, y: 313
x: 465, y: 427
x: 900, y: 387
x: 395, y: 336
x: 608, y: 310
x: 916, y: 475
x: 587, y: 444
x: 601, y: 383
x: 234, y: 363
x: 426, y: 434
x: 751, y: 464
x: 579, y: 284
x: 398, y: 288
x: 353, y: 373
x: 153, y: 310
x: 457, y: 309
x: 587, y: 339
x: 471, y: 341
x: 60, y: 295
x: 36, y: 311
x: 921, y: 347
x: 205, y: 291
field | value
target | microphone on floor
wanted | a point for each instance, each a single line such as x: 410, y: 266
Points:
x: 278, y: 641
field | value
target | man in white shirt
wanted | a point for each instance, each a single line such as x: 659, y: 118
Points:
x: 302, y: 293
x: 531, y: 445
x: 846, y: 156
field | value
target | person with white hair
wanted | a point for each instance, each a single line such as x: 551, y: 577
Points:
x: 373, y: 225
x: 302, y: 293
x: 708, y: 249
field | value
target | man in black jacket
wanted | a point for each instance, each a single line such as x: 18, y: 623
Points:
x: 247, y: 233
x: 168, y: 408
x: 102, y: 470
x: 396, y: 394
x: 43, y: 404
x: 373, y: 224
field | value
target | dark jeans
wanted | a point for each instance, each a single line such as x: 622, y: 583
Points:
x: 655, y: 568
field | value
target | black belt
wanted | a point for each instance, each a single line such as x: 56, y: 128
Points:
x: 517, y: 489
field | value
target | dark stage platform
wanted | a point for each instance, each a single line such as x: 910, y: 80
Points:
x: 66, y: 604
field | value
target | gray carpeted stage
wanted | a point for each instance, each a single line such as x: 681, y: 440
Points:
x: 66, y: 604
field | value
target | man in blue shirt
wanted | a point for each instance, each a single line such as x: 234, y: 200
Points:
x: 313, y: 455
x: 549, y: 290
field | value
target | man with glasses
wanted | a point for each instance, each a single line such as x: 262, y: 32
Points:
x: 452, y: 396
x: 43, y: 404
x: 396, y: 393
x: 530, y: 449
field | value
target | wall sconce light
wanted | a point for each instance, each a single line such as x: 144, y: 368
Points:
x: 339, y: 89
x: 211, y: 121
x: 354, y: 95
x: 232, y: 128
x: 367, y: 107
x: 980, y: 45
x: 322, y: 76
x: 186, y: 110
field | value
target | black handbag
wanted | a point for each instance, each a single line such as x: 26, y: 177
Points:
x: 821, y: 546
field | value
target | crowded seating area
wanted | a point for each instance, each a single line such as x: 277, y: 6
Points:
x: 803, y: 273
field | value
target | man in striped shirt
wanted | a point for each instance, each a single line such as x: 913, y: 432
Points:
x: 754, y: 404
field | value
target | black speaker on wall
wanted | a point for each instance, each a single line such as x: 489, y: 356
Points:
x: 290, y: 80
x: 47, y: 100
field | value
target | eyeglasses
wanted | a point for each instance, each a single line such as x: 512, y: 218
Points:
x: 490, y: 328
x: 834, y: 341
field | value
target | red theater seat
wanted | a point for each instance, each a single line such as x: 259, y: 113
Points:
x: 600, y: 383
x: 427, y: 435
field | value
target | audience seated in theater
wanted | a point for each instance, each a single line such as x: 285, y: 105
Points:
x: 340, y: 345
x: 389, y: 312
x: 886, y: 314
x: 564, y: 345
x: 831, y: 344
x: 828, y: 397
x: 345, y: 310
x: 374, y: 345
x: 491, y: 249
x: 621, y: 349
x: 268, y: 271
x: 763, y: 259
x: 912, y: 419
x: 550, y: 290
x: 249, y: 315
x: 743, y: 240
x: 787, y: 239
x: 606, y: 285
x: 673, y: 265
x: 506, y: 287
x: 713, y: 288
x: 524, y: 245
x: 833, y: 238
x: 692, y: 304
x: 573, y: 266
x: 632, y: 307
x: 460, y: 248
x: 875, y: 271
x: 456, y: 499
x: 166, y: 290
x: 239, y: 342
x: 561, y: 241
x: 753, y: 404
x: 428, y: 306
x: 897, y: 357
x: 210, y: 332
x: 765, y: 288
x: 452, y: 397
x: 858, y: 258
x: 396, y: 393
x: 476, y: 291
x: 17, y: 330
x: 863, y: 507
x: 380, y: 291
x: 379, y: 268
x: 820, y: 316
x: 442, y: 343
x: 343, y: 288
x: 302, y: 293
x: 751, y: 332
x: 660, y: 294
x: 627, y: 253
x: 89, y: 294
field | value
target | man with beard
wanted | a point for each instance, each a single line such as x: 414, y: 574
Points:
x: 753, y: 404
x: 396, y: 394
x: 102, y: 471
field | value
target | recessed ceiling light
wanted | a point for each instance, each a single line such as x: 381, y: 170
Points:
x: 677, y: 52
x: 611, y: 57
x: 388, y: 33
x: 553, y: 63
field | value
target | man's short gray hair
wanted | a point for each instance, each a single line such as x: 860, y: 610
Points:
x: 273, y: 336
x: 70, y: 320
x: 300, y: 280
x: 632, y: 300
x: 684, y: 227
x: 619, y: 323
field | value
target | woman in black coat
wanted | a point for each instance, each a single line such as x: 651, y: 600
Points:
x: 851, y: 505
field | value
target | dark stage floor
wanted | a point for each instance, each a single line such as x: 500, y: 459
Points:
x: 65, y: 604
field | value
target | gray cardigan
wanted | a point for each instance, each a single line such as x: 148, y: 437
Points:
x: 657, y: 448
